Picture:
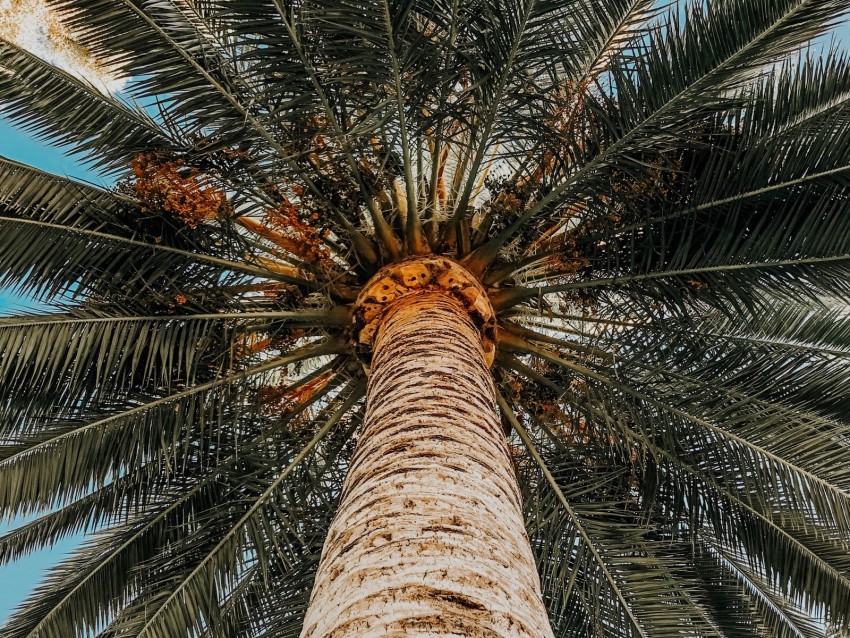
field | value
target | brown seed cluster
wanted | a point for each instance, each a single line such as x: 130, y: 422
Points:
x: 280, y: 399
x: 163, y: 183
x: 294, y: 232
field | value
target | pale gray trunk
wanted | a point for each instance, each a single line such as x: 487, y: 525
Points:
x: 429, y: 539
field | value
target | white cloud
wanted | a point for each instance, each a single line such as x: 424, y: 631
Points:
x: 29, y: 24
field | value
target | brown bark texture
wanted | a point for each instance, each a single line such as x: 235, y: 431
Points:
x: 429, y: 538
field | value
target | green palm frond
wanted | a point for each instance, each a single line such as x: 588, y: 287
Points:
x: 90, y: 234
x: 134, y: 433
x: 159, y: 44
x: 53, y: 105
x: 159, y: 523
x: 119, y: 355
x: 671, y: 72
x: 224, y: 552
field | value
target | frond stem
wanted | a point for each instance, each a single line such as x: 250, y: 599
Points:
x: 529, y: 444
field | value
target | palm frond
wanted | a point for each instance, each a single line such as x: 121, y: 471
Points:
x: 92, y: 356
x: 624, y: 612
x: 672, y: 72
x: 53, y: 105
x: 160, y: 428
x: 151, y: 526
x: 168, y: 62
x: 169, y: 611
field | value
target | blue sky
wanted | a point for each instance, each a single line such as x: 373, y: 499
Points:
x: 18, y: 579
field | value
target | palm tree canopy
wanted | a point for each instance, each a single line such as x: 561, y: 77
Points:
x: 655, y: 197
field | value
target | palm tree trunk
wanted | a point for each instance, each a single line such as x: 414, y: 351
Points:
x: 429, y: 537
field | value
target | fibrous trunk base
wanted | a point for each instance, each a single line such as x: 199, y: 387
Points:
x: 429, y: 538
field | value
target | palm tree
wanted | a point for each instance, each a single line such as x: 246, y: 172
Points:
x: 433, y: 317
